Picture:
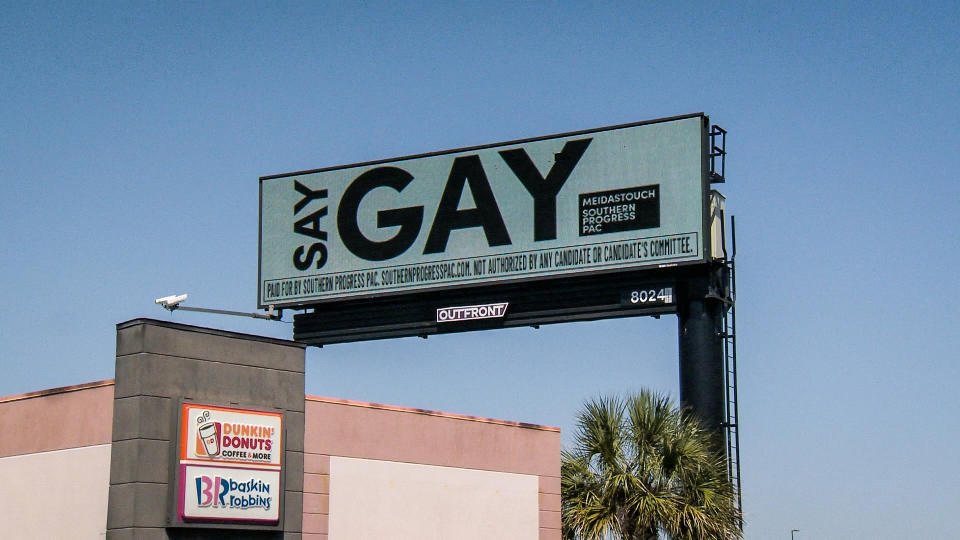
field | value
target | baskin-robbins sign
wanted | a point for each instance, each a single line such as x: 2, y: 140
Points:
x: 225, y: 494
x: 605, y: 200
x: 230, y: 462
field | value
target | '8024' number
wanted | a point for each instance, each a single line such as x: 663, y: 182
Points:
x: 659, y: 296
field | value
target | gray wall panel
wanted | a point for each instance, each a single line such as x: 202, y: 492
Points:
x: 150, y: 374
x: 293, y: 475
x: 162, y: 364
x: 169, y: 339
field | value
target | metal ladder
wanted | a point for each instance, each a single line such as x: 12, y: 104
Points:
x: 718, y: 149
x: 732, y: 423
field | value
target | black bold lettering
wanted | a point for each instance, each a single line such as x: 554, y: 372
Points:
x: 303, y: 263
x: 310, y: 225
x: 408, y: 219
x: 544, y: 191
x: 467, y: 169
x: 308, y: 195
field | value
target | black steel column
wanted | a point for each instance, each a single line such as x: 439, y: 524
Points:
x: 700, y: 316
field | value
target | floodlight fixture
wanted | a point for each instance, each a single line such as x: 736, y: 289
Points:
x: 171, y: 302
x: 174, y: 301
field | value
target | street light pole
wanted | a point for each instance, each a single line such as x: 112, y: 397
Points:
x: 793, y: 531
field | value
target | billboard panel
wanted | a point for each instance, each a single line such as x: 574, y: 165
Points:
x: 605, y: 200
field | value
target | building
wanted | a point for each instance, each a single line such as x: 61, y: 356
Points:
x: 183, y: 443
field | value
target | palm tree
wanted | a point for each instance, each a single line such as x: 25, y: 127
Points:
x: 641, y: 467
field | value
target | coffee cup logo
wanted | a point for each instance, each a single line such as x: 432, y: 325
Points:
x: 208, y: 436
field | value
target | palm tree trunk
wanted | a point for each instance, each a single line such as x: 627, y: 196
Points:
x: 647, y: 534
x: 641, y: 533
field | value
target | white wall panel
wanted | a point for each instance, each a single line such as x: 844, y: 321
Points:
x: 373, y: 500
x: 54, y: 495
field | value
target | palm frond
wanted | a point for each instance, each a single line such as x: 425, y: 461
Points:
x: 642, y: 465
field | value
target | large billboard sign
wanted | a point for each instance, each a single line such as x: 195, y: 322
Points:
x: 606, y: 200
x: 229, y: 465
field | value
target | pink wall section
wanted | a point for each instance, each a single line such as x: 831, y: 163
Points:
x: 56, y: 419
x: 380, y: 432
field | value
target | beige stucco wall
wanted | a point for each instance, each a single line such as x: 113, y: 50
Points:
x: 57, y: 494
x: 448, y: 474
x: 373, y: 500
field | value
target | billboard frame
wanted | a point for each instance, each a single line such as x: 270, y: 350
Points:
x: 704, y: 239
x: 570, y: 299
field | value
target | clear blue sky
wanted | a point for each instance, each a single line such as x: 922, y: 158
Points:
x: 132, y: 136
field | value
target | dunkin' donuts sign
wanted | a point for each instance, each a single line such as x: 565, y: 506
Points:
x: 230, y: 435
x: 230, y: 462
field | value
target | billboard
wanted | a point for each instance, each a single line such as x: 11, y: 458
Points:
x: 229, y: 465
x: 605, y: 200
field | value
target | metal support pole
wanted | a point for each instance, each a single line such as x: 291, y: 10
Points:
x: 700, y: 317
x: 270, y: 316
